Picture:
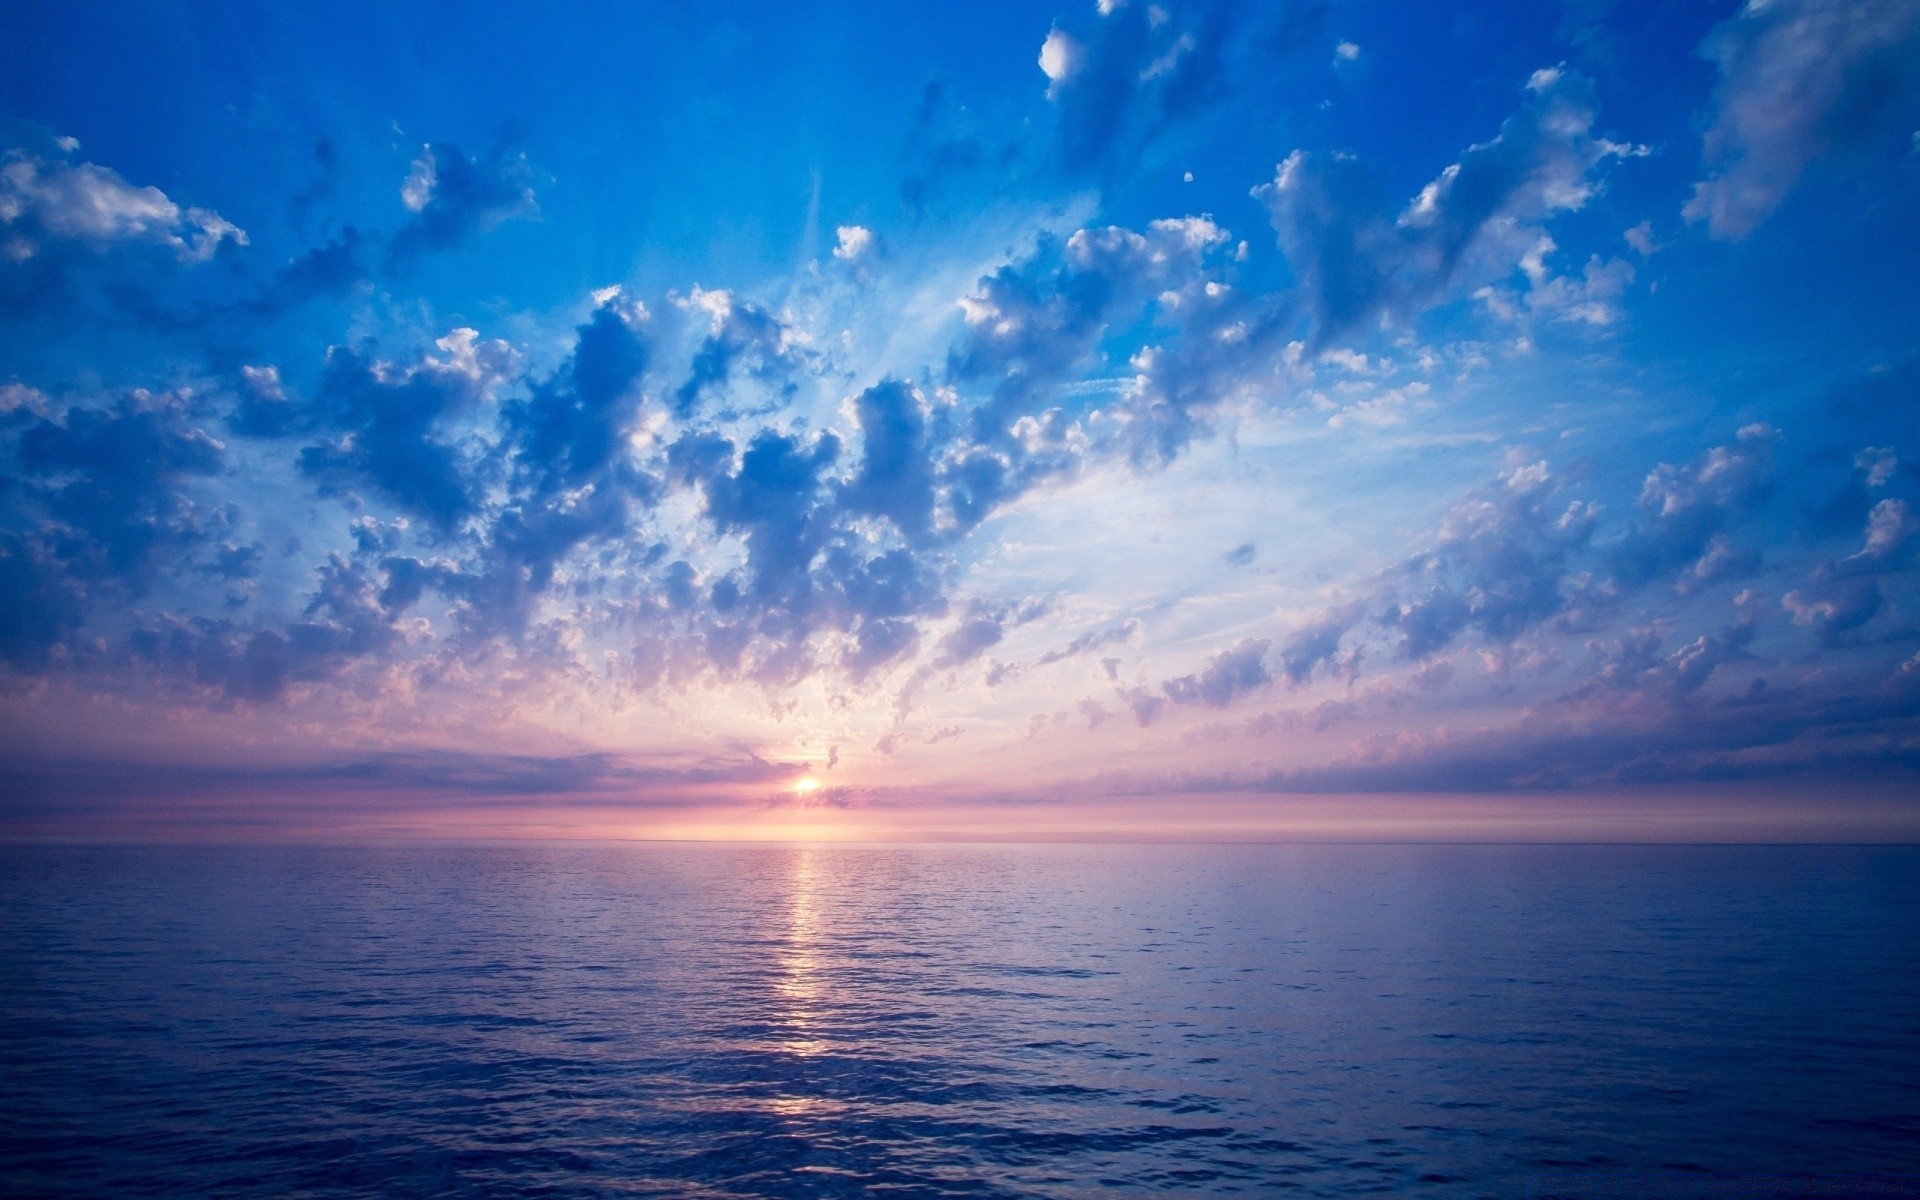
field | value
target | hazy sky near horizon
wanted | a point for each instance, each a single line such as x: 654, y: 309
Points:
x: 1182, y: 416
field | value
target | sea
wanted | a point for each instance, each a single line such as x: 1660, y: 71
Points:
x: 761, y: 1020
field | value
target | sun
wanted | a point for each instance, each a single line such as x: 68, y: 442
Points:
x: 807, y: 785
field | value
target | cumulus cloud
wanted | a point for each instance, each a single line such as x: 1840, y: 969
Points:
x: 1685, y: 510
x: 48, y: 201
x: 1500, y: 565
x: 704, y: 496
x: 387, y: 423
x: 895, y: 478
x: 100, y: 504
x: 574, y: 424
x: 853, y: 243
x: 1800, y: 79
x: 742, y: 338
x: 1032, y: 324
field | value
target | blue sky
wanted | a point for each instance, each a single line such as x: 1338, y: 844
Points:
x: 1158, y: 418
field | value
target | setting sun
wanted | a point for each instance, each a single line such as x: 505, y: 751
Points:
x: 807, y: 785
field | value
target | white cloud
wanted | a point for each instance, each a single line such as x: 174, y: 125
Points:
x: 417, y: 192
x: 1060, y: 58
x: 44, y: 200
x: 856, y: 242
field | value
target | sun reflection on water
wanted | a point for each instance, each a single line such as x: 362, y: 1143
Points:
x: 800, y: 986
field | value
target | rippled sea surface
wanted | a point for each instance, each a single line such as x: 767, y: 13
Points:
x: 726, y: 1020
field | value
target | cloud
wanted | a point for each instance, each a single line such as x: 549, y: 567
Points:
x: 1685, y: 509
x: 46, y: 201
x: 1086, y: 643
x: 1316, y: 643
x: 228, y: 661
x: 1033, y: 323
x: 979, y: 631
x: 106, y: 490
x: 1616, y: 743
x: 1357, y: 262
x: 454, y: 196
x: 416, y: 780
x: 328, y: 269
x: 1233, y: 672
x: 42, y: 605
x: 742, y: 337
x: 1061, y: 58
x: 1799, y: 80
x: 1500, y: 565
x: 808, y: 572
x: 388, y: 423
x: 895, y: 477
x: 945, y: 146
x: 574, y: 424
x: 855, y: 243
x: 1591, y: 298
x: 1890, y: 530
x: 1140, y: 70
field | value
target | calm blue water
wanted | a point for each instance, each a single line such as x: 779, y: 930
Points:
x: 728, y: 1021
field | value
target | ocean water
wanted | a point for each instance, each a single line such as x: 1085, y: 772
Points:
x: 980, y: 1021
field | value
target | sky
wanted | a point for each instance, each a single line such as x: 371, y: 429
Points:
x: 1123, y: 420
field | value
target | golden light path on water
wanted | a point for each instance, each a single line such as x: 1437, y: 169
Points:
x: 800, y: 986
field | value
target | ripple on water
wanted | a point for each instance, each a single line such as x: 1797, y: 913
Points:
x: 787, y: 1021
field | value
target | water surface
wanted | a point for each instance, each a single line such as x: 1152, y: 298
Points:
x: 987, y: 1021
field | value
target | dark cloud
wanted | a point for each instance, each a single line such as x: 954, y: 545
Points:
x: 1685, y: 511
x: 945, y: 146
x: 1801, y: 79
x: 574, y: 424
x: 807, y: 572
x: 345, y: 621
x: 111, y: 485
x: 1140, y: 69
x: 773, y: 500
x: 45, y: 788
x: 895, y: 478
x: 743, y: 339
x: 1628, y: 739
x: 1500, y: 566
x: 1316, y: 643
x: 40, y: 604
x: 979, y: 631
x: 1358, y: 261
x: 325, y: 184
x: 328, y: 269
x: 454, y: 196
x: 389, y: 424
x: 1231, y: 673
